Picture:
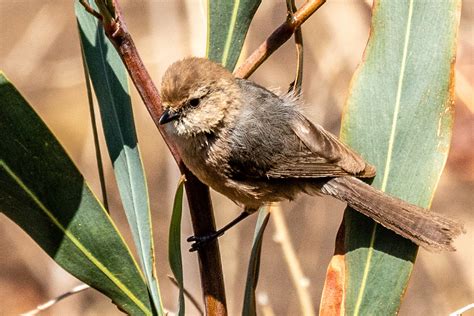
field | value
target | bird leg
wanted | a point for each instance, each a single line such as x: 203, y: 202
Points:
x: 199, y: 241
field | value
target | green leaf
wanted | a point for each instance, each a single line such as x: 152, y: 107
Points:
x: 174, y: 244
x: 228, y: 23
x: 109, y: 79
x: 43, y: 192
x: 399, y: 116
x: 249, y: 306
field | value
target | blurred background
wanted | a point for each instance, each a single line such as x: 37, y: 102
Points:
x: 40, y: 54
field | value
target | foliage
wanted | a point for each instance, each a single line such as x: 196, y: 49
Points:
x: 398, y: 116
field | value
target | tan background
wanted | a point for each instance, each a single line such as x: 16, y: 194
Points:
x: 39, y: 52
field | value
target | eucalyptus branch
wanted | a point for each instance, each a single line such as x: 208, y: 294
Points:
x: 212, y: 280
x: 278, y: 38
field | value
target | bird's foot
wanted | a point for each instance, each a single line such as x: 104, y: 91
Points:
x: 200, y: 241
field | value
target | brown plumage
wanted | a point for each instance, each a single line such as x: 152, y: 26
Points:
x: 256, y: 147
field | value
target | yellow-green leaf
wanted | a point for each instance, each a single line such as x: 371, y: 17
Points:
x: 228, y: 23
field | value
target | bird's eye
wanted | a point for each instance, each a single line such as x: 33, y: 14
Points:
x: 194, y: 102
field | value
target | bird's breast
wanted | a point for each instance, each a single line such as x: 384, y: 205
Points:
x: 202, y: 157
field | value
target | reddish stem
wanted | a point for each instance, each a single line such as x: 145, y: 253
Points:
x: 212, y: 280
x: 278, y: 38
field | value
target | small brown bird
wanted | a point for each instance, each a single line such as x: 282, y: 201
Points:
x: 257, y: 147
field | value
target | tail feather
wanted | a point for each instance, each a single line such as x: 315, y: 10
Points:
x: 429, y: 230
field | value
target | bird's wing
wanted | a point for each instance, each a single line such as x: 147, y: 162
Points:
x: 295, y: 148
x: 322, y: 155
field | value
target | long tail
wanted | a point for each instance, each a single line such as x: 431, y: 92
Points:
x: 427, y: 229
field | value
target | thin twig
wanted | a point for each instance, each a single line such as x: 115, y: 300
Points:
x: 277, y: 38
x: 90, y: 9
x: 460, y: 311
x: 202, y: 216
x: 297, y: 83
x: 50, y: 303
x: 188, y: 294
x: 299, y: 280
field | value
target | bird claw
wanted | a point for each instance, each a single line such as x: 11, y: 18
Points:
x: 200, y: 241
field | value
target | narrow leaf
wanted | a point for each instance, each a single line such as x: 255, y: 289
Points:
x: 249, y: 306
x: 174, y: 244
x: 109, y: 79
x: 43, y: 192
x: 399, y: 116
x: 228, y: 23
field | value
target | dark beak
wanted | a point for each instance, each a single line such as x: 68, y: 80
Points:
x: 168, y: 116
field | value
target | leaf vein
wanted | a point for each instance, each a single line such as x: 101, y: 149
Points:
x: 389, y: 155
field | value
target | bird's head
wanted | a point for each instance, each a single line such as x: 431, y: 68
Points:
x: 197, y: 94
